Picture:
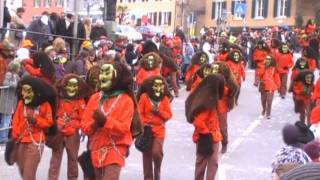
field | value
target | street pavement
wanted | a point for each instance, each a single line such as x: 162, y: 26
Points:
x: 253, y: 142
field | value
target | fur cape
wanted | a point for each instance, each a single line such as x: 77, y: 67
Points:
x: 146, y: 87
x: 42, y: 60
x: 230, y: 82
x: 93, y: 74
x: 265, y: 46
x: 205, y: 96
x: 196, y: 58
x: 157, y: 58
x: 83, y: 88
x: 297, y: 64
x: 302, y: 76
x: 280, y: 48
x: 275, y: 43
x: 310, y: 53
x: 224, y: 47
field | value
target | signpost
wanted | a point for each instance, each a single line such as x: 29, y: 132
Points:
x: 240, y: 8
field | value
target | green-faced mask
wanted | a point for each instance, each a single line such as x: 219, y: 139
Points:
x: 107, y: 74
x: 203, y: 59
x: 302, y: 64
x: 72, y: 87
x: 236, y: 56
x: 27, y: 94
x: 285, y: 49
x: 268, y: 61
x: 308, y: 79
x: 150, y: 62
x: 158, y: 87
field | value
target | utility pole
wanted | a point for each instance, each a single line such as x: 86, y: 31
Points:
x: 75, y: 25
x: 1, y: 12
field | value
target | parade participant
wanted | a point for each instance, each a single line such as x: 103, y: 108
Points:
x: 149, y: 66
x: 6, y: 55
x: 223, y: 52
x: 202, y: 73
x: 154, y: 108
x: 40, y: 66
x: 71, y: 90
x: 284, y: 62
x: 227, y: 102
x: 107, y: 121
x: 270, y: 82
x: 274, y: 48
x: 199, y: 59
x: 34, y: 114
x: 92, y: 80
x: 300, y: 65
x: 259, y: 55
x: 310, y: 26
x: 311, y: 56
x: 234, y: 62
x: 302, y: 88
x: 202, y: 111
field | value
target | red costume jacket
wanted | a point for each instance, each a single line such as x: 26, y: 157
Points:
x: 284, y: 62
x: 69, y: 115
x: 157, y: 122
x: 35, y: 71
x: 144, y: 74
x: 223, y: 106
x: 312, y: 64
x: 302, y: 91
x: 25, y: 132
x: 270, y: 79
x: 238, y: 71
x: 205, y: 122
x: 191, y: 71
x: 110, y: 143
x: 315, y: 115
x: 222, y: 56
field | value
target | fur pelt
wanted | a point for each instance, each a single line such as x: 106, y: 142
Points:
x: 224, y: 47
x: 169, y: 62
x: 42, y: 60
x: 146, y: 87
x: 205, y: 96
x: 309, y: 53
x: 275, y: 43
x: 230, y: 82
x: 149, y: 46
x: 93, y: 74
x: 280, y: 48
x: 231, y: 54
x: 196, y: 58
x: 264, y: 45
x: 83, y: 88
x: 156, y: 56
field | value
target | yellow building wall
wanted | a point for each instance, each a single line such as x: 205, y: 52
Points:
x: 159, y: 6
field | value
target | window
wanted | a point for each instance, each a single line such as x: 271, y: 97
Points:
x: 259, y: 9
x: 218, y: 9
x: 235, y: 12
x: 47, y: 3
x: 165, y: 18
x: 36, y: 3
x: 59, y: 3
x: 282, y: 8
x: 152, y: 18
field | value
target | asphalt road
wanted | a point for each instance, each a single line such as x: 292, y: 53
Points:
x: 253, y: 142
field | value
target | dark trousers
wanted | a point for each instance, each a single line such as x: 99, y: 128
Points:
x: 303, y: 108
x: 223, y: 120
x: 207, y: 164
x: 152, y: 160
x: 266, y: 102
x: 283, y: 86
x: 71, y: 144
x: 238, y: 94
x: 110, y: 172
x: 28, y: 159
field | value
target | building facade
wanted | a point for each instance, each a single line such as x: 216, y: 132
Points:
x: 160, y: 13
x: 259, y: 13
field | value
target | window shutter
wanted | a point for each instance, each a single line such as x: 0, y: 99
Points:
x: 232, y: 7
x: 169, y: 19
x: 160, y: 15
x: 155, y: 18
x: 275, y: 8
x: 265, y: 8
x: 253, y: 9
x: 224, y: 5
x: 288, y: 10
x: 213, y: 11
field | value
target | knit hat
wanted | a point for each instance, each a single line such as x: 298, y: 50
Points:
x: 290, y: 134
x: 312, y: 149
x: 309, y: 171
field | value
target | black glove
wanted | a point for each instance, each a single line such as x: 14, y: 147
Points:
x: 204, y: 145
x: 99, y: 118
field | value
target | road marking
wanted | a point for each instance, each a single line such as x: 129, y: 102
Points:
x: 222, y: 170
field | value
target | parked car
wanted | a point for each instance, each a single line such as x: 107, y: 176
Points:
x: 129, y: 32
x: 149, y: 31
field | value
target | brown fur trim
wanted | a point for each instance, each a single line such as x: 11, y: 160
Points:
x: 231, y: 54
x: 169, y: 62
x: 83, y: 88
x: 149, y: 46
x: 92, y: 74
x: 297, y: 64
x: 205, y: 96
x: 156, y: 56
x: 225, y: 71
x: 42, y: 60
x: 196, y: 58
x: 302, y: 76
x: 146, y: 87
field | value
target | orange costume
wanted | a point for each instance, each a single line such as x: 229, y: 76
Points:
x: 270, y: 79
x: 238, y: 71
x: 35, y: 71
x: 312, y: 64
x: 144, y: 74
x: 222, y: 56
x: 284, y: 62
x: 223, y: 106
x: 157, y: 122
x: 310, y: 28
x: 26, y: 133
x: 258, y: 57
x: 316, y: 93
x: 110, y: 143
x: 315, y: 115
x: 192, y: 71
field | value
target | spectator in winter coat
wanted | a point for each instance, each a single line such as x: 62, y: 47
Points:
x: 98, y: 31
x: 40, y: 25
x: 61, y: 28
x: 6, y: 20
x: 17, y: 23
